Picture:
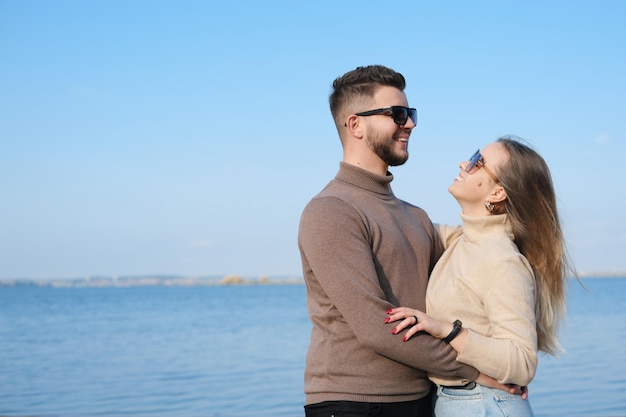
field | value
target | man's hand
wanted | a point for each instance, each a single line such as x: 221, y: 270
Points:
x: 487, y: 381
x: 518, y: 390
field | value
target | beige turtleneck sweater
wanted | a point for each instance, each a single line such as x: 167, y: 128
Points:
x: 483, y: 280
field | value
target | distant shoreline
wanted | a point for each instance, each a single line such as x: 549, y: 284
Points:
x: 148, y: 281
x: 182, y: 281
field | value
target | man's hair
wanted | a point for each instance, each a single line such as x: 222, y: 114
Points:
x: 358, y: 86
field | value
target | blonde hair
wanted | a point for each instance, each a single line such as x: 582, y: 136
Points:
x: 532, y: 210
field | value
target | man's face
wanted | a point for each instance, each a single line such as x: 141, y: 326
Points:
x: 388, y: 140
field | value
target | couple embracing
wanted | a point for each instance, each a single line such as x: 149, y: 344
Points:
x: 412, y: 318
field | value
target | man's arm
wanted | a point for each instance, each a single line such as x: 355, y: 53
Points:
x: 335, y: 242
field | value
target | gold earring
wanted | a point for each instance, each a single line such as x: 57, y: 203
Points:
x: 489, y: 206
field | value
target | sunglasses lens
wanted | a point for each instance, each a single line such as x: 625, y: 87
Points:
x: 413, y: 115
x: 473, y: 160
x: 400, y: 115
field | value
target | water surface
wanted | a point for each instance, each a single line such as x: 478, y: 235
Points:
x: 239, y: 352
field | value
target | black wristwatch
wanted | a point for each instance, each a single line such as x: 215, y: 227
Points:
x: 455, y: 331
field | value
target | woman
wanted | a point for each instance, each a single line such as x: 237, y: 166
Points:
x: 497, y: 293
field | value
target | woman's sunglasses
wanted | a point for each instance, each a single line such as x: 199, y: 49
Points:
x: 400, y: 114
x: 477, y: 161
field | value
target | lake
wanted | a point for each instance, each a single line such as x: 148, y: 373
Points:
x: 238, y: 351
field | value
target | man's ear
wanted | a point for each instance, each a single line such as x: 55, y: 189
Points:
x: 498, y: 194
x: 354, y: 126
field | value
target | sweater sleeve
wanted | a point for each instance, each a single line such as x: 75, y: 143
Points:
x: 335, y: 246
x: 509, y: 352
x: 448, y: 233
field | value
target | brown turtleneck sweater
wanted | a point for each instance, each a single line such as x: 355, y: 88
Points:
x: 364, y: 251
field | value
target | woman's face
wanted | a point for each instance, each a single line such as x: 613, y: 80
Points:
x: 473, y: 189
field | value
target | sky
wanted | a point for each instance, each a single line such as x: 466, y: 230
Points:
x: 185, y: 137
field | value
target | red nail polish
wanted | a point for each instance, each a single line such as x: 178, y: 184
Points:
x: 387, y: 320
x: 404, y: 339
x: 394, y: 331
x: 388, y: 311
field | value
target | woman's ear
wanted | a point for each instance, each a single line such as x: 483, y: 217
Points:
x: 498, y: 195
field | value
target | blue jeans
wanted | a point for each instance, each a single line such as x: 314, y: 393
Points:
x: 480, y: 402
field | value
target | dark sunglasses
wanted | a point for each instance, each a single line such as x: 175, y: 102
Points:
x: 476, y: 162
x: 400, y: 114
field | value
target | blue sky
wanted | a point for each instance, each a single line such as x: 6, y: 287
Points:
x: 185, y: 137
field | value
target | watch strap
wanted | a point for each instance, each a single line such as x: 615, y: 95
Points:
x: 455, y: 331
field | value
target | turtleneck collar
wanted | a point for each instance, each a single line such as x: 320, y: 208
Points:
x: 359, y: 177
x: 477, y: 227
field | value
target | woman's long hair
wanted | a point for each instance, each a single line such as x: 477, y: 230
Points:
x: 532, y: 210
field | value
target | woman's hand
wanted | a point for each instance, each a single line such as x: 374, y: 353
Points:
x: 417, y: 321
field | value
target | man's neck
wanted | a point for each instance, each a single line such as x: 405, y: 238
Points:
x: 374, y: 166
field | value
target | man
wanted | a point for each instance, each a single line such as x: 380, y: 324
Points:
x: 363, y: 252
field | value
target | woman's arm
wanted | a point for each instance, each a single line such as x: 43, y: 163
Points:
x: 509, y: 352
x: 417, y: 321
x: 448, y: 233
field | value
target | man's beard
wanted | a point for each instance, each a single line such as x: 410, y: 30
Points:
x: 383, y: 146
